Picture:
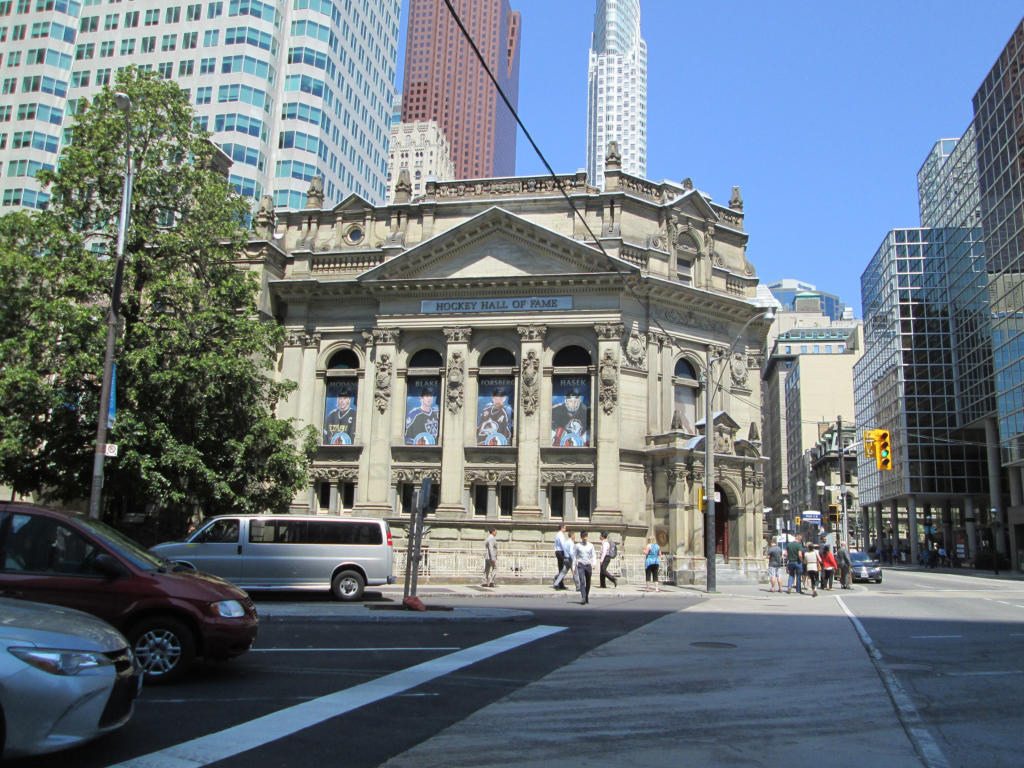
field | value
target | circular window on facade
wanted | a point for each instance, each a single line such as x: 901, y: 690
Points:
x: 354, y: 234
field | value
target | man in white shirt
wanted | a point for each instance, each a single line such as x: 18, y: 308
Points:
x: 606, y: 558
x: 568, y: 550
x: 561, y: 545
x: 582, y: 564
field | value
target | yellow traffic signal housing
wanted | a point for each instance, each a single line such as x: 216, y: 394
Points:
x: 833, y: 515
x: 702, y: 502
x: 869, y: 442
x: 883, y: 450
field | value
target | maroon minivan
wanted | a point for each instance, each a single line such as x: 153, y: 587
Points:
x: 169, y: 616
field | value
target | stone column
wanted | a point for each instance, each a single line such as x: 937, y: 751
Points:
x: 971, y: 524
x: 609, y: 345
x: 1016, y: 496
x: 569, y: 502
x: 375, y: 470
x: 453, y: 454
x: 655, y: 372
x: 995, y: 485
x: 530, y: 432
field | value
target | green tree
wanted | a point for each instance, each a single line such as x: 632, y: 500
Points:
x: 195, y: 393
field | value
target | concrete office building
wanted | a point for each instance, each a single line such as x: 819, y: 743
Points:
x: 477, y: 335
x: 422, y: 151
x: 617, y: 89
x: 289, y: 90
x: 445, y: 82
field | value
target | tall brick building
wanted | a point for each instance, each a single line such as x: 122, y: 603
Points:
x: 445, y: 82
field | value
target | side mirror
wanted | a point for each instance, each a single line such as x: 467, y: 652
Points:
x: 108, y: 566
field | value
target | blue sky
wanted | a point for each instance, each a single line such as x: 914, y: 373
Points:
x: 822, y: 112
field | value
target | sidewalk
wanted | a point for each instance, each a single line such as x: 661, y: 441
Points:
x: 740, y: 678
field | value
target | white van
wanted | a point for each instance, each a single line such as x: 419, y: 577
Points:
x: 283, y: 552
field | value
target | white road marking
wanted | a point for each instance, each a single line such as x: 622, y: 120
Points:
x: 934, y: 637
x: 351, y: 650
x: 985, y: 674
x: 263, y: 730
x: 922, y: 739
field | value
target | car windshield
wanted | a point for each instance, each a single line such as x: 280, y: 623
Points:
x: 859, y: 557
x: 140, y: 557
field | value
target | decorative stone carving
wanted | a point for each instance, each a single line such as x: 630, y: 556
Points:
x: 414, y: 475
x: 532, y: 332
x: 648, y: 476
x: 302, y: 339
x: 753, y: 435
x: 315, y: 193
x: 264, y: 223
x: 686, y: 319
x: 490, y: 476
x: 613, y: 160
x: 386, y: 335
x: 677, y: 420
x: 659, y: 338
x: 458, y: 335
x: 566, y: 477
x: 738, y: 369
x: 688, y: 184
x: 723, y: 443
x: 608, y: 376
x: 382, y: 380
x: 455, y: 389
x: 636, y: 351
x: 403, y: 187
x: 530, y: 383
x: 709, y: 240
x: 609, y: 331
x: 334, y: 474
x: 736, y: 201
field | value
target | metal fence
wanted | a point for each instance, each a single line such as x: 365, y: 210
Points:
x: 442, y: 564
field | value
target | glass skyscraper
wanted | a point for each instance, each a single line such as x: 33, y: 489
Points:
x: 617, y: 89
x: 290, y: 89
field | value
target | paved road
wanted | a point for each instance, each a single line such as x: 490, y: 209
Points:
x: 924, y: 669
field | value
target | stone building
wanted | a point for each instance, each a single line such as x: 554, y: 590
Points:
x: 541, y: 367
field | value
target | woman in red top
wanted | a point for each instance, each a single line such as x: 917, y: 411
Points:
x: 828, y: 568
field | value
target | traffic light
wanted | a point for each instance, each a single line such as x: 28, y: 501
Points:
x: 702, y: 502
x: 883, y: 449
x: 869, y: 442
x: 833, y: 516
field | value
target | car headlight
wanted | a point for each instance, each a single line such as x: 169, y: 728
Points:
x: 61, y: 662
x: 229, y: 609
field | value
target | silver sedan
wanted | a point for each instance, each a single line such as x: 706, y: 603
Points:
x: 65, y: 677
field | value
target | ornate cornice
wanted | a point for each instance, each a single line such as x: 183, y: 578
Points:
x: 334, y: 474
x: 490, y: 476
x: 566, y: 477
x: 414, y: 474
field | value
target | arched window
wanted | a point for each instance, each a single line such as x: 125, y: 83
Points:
x: 342, y: 390
x: 684, y: 390
x: 343, y: 358
x: 571, y: 398
x: 423, y: 390
x: 495, y: 407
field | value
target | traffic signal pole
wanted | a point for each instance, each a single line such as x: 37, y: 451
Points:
x: 842, y: 485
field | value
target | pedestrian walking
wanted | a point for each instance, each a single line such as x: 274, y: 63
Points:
x: 828, y: 568
x: 490, y: 557
x: 812, y: 563
x: 794, y: 564
x: 582, y: 565
x: 567, y: 555
x: 608, y: 551
x: 843, y: 559
x: 561, y: 540
x: 775, y: 556
x: 652, y: 552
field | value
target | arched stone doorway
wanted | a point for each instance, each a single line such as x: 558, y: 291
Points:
x: 722, y: 512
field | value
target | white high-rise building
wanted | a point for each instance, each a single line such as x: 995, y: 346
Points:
x: 617, y: 89
x: 290, y: 89
x: 423, y: 150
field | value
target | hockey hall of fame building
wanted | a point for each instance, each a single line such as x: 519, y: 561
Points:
x: 479, y: 336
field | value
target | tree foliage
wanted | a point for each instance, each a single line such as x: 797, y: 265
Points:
x: 195, y: 393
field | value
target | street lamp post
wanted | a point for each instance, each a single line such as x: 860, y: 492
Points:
x: 711, y: 386
x: 821, y: 506
x: 124, y: 103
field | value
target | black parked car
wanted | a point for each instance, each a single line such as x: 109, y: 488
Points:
x: 863, y: 568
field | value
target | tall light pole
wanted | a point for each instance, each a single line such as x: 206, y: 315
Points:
x: 711, y: 386
x: 124, y: 103
x: 821, y: 505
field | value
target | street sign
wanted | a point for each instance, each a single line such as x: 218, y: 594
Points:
x: 110, y: 449
x: 812, y: 516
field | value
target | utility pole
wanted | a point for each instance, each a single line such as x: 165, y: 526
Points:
x: 842, y: 482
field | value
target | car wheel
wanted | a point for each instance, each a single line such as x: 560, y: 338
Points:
x: 347, y: 586
x: 878, y: 580
x: 164, y: 648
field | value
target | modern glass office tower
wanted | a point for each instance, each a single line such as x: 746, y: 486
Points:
x: 798, y: 296
x: 617, y: 89
x: 444, y: 81
x: 289, y: 90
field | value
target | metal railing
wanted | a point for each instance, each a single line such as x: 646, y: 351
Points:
x: 537, y: 566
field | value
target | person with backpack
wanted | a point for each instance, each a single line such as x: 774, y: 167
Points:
x: 608, y: 553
